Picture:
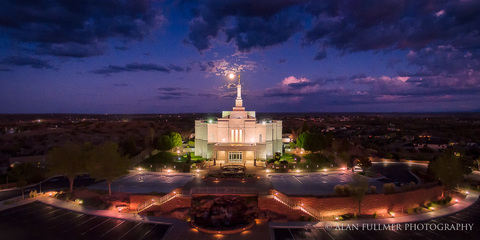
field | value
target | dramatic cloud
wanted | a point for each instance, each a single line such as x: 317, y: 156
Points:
x: 132, y: 67
x: 26, y: 61
x: 249, y: 23
x: 168, y: 93
x: 76, y: 28
x: 351, y: 25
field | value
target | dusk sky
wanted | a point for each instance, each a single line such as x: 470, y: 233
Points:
x: 140, y: 56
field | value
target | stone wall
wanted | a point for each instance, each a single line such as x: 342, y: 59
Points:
x: 372, y: 203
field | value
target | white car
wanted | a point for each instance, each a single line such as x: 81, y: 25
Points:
x: 357, y: 169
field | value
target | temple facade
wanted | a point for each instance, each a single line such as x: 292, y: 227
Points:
x: 238, y: 137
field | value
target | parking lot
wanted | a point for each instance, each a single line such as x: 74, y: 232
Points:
x: 467, y: 216
x: 146, y: 183
x: 40, y: 221
x: 314, y: 183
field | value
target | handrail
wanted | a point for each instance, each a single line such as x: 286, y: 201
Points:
x: 159, y: 200
x: 296, y: 205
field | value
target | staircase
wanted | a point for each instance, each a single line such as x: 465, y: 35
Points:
x: 285, y: 200
x: 158, y: 201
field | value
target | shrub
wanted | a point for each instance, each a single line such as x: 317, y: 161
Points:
x: 96, y: 203
x: 338, y: 190
x: 410, y: 210
x: 373, y: 189
x: 347, y: 189
x: 412, y: 185
x: 375, y: 215
x: 310, y: 218
x: 388, y: 188
x: 66, y: 196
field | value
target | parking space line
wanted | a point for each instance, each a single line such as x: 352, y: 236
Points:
x: 59, y: 216
x: 291, y: 234
x: 130, y: 230
x: 54, y: 226
x: 112, y: 228
x: 297, y: 179
x: 96, y: 226
x: 20, y: 209
x: 330, y: 235
x: 81, y: 223
x: 154, y: 226
x: 30, y: 212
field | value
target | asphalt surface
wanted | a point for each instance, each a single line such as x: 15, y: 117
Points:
x: 403, y: 231
x: 40, y: 221
x: 314, y: 183
x: 146, y: 183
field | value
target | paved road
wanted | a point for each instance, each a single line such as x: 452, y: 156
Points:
x: 40, y: 221
x: 467, y: 216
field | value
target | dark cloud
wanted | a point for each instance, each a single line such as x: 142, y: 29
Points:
x: 387, y: 24
x: 132, y: 67
x: 168, y: 93
x: 176, y: 68
x: 121, y: 48
x: 120, y: 85
x: 249, y: 23
x: 70, y: 28
x: 26, y: 61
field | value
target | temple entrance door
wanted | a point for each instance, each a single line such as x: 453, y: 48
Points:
x: 235, y: 157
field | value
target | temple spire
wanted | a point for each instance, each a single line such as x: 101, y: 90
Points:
x: 239, y: 101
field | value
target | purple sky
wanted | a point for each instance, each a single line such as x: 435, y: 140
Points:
x: 140, y: 56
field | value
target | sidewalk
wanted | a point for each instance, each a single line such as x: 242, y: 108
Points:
x: 471, y: 199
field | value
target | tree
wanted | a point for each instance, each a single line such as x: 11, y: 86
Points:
x: 26, y: 173
x: 106, y: 162
x: 301, y: 139
x: 359, y: 186
x: 165, y: 143
x: 68, y: 160
x: 176, y: 139
x: 365, y: 162
x: 447, y: 168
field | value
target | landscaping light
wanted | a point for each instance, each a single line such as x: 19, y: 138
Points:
x: 174, y: 192
x: 178, y: 151
x: 168, y: 171
x: 324, y: 169
x: 298, y: 170
x: 268, y: 170
x: 343, y: 168
x: 467, y: 192
x: 432, y: 208
x: 392, y: 214
x: 198, y: 170
x: 456, y: 200
x: 336, y: 218
x: 139, y: 169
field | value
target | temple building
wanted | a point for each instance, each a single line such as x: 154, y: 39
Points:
x: 238, y: 137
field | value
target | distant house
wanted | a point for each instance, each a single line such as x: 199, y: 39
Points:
x: 39, y: 159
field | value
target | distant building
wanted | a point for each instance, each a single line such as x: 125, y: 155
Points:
x: 238, y: 137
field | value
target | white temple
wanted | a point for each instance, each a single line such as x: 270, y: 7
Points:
x: 237, y: 137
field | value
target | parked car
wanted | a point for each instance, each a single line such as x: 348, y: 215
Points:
x: 357, y: 169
